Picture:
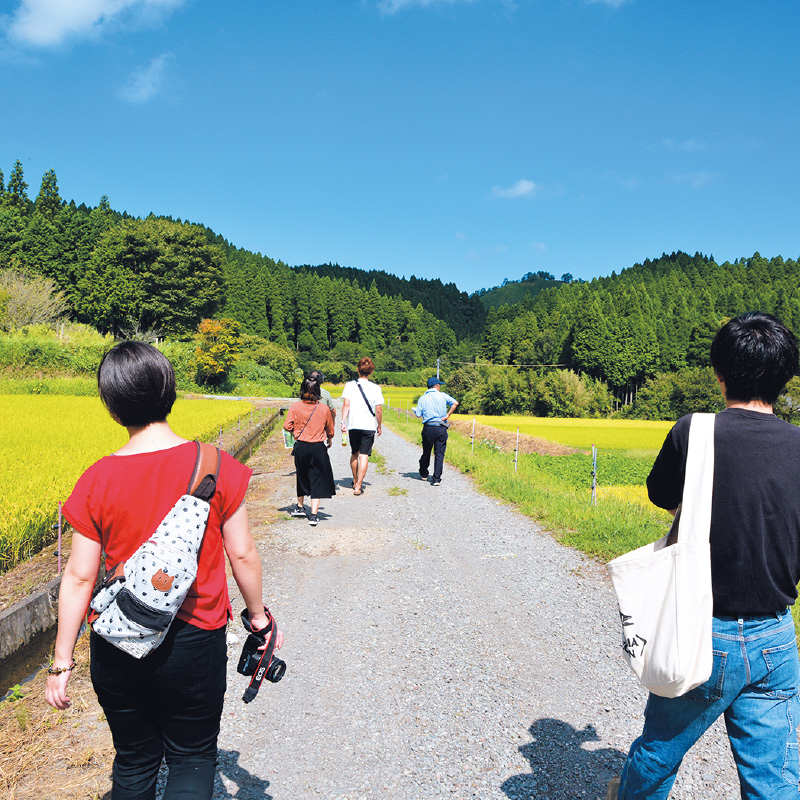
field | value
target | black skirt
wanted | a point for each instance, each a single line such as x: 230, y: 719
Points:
x: 314, y: 473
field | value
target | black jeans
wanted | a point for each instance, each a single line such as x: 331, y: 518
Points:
x: 168, y: 704
x: 434, y: 437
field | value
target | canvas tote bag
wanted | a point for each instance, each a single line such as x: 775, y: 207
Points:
x: 664, y: 588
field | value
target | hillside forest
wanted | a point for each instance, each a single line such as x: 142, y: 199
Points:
x: 633, y: 344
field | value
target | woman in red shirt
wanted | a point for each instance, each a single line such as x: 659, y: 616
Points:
x: 312, y: 425
x: 168, y: 703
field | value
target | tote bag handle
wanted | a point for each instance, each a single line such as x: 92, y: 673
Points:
x: 693, y: 518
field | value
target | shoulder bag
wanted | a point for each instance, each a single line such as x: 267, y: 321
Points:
x: 664, y: 588
x: 137, y: 601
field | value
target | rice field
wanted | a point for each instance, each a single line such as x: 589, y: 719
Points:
x: 48, y: 441
x: 395, y: 396
x: 639, y: 436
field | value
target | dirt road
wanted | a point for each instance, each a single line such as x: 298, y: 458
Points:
x: 439, y: 645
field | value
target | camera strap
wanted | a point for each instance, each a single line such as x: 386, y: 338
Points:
x: 266, y: 657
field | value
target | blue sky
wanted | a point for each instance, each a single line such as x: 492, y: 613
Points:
x: 470, y: 140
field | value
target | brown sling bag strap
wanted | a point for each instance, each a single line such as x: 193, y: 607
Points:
x: 203, y: 482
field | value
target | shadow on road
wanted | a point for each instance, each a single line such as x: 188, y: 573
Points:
x: 414, y: 476
x: 560, y: 765
x: 247, y: 785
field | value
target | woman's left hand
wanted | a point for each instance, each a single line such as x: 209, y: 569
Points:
x: 56, y: 691
x: 329, y: 443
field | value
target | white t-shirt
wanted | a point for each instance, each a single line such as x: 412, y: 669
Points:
x: 359, y: 416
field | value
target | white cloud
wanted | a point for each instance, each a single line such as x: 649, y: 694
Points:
x: 612, y: 3
x: 393, y: 6
x: 694, y: 180
x: 522, y: 188
x: 147, y: 82
x: 629, y: 182
x: 43, y: 23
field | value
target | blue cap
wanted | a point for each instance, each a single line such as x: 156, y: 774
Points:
x: 434, y: 381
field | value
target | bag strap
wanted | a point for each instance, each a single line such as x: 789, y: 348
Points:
x: 297, y: 438
x: 203, y: 482
x: 694, y: 513
x: 361, y: 389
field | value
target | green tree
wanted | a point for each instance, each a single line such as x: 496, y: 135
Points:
x: 154, y: 274
x: 16, y: 194
x: 48, y: 202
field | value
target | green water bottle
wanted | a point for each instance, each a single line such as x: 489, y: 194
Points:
x: 344, y: 438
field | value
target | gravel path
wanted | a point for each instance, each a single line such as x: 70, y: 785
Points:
x: 439, y: 645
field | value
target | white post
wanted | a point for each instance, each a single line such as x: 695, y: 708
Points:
x: 473, y: 435
x: 516, y: 453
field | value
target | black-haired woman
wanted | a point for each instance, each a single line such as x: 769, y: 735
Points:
x: 312, y: 425
x: 169, y: 703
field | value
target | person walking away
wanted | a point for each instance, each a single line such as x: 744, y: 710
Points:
x: 326, y: 396
x: 168, y: 703
x: 311, y: 423
x: 755, y: 569
x: 362, y: 417
x: 435, y: 408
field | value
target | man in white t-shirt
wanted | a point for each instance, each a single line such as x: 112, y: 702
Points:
x: 362, y: 414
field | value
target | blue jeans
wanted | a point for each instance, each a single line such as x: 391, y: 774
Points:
x: 754, y: 684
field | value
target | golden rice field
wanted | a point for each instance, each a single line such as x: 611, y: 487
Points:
x: 605, y: 434
x: 47, y: 441
x: 395, y: 396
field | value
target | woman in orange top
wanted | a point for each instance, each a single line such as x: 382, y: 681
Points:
x: 311, y: 423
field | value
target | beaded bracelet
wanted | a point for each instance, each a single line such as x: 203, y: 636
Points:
x: 58, y: 670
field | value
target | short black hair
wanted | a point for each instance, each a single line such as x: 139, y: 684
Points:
x: 309, y: 390
x: 136, y: 384
x: 756, y: 355
x: 317, y: 376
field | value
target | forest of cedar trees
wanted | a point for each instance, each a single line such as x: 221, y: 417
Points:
x: 634, y: 344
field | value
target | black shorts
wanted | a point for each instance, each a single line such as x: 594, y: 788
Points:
x: 361, y: 442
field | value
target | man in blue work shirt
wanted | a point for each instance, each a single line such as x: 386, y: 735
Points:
x: 434, y: 407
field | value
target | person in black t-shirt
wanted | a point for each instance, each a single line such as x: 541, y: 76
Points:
x: 755, y: 568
